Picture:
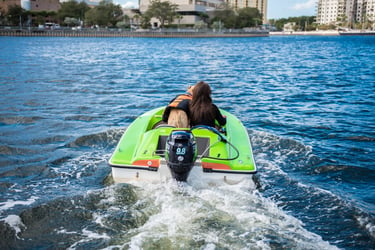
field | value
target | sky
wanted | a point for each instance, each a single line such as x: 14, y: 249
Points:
x: 290, y: 8
x: 276, y: 8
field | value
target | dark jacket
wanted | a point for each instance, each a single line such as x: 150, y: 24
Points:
x: 211, y: 122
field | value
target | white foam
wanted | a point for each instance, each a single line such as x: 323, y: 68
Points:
x: 98, y: 218
x: 226, y: 216
x: 15, y: 222
x: 11, y: 203
x: 89, y: 235
x: 365, y: 222
x: 64, y: 231
x: 93, y: 235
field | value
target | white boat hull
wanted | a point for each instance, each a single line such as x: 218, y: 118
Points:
x: 134, y: 176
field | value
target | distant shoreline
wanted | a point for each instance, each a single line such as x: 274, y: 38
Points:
x: 155, y: 34
x: 324, y: 33
x: 176, y: 34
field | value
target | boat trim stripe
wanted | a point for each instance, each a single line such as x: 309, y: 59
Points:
x: 205, y: 170
x: 211, y: 165
x: 147, y: 163
x: 134, y: 167
x: 208, y: 171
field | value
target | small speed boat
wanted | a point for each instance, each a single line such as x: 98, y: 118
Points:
x: 151, y: 150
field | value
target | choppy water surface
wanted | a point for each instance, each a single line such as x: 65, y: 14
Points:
x: 307, y: 102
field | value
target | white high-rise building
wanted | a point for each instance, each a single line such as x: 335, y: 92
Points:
x: 351, y: 11
x: 371, y: 10
x: 365, y: 11
x: 329, y: 11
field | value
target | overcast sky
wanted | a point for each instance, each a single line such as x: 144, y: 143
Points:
x: 276, y: 8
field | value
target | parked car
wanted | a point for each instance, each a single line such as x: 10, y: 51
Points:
x: 77, y: 28
x: 49, y: 26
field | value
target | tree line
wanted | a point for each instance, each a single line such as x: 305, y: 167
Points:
x: 107, y: 14
x: 302, y: 23
x: 71, y: 13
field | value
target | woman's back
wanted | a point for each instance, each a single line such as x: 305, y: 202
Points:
x: 202, y: 110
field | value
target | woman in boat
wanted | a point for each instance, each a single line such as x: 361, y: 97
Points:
x: 177, y: 112
x: 202, y: 109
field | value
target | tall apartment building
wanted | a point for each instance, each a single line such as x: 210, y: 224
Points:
x: 261, y: 5
x: 351, y: 11
x: 329, y: 11
x: 364, y: 11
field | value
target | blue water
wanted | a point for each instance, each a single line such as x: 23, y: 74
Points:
x: 308, y: 104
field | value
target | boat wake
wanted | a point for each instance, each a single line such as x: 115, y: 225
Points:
x: 301, y: 183
x: 164, y: 215
x: 223, y: 216
x: 75, y: 205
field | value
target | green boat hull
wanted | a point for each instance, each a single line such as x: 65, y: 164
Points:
x: 139, y: 154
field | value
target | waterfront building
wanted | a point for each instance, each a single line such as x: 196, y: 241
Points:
x: 371, y: 11
x: 329, y: 10
x: 31, y: 5
x: 289, y: 27
x: 190, y: 11
x: 90, y: 3
x: 345, y: 11
x: 261, y: 5
x: 44, y: 5
x: 4, y: 5
x: 364, y: 11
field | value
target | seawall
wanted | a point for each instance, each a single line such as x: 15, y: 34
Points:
x: 306, y: 33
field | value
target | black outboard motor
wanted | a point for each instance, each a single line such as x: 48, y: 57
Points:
x: 181, y: 153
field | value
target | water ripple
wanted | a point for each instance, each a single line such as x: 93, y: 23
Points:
x: 307, y: 101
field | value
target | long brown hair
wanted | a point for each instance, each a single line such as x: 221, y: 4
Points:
x: 201, y: 104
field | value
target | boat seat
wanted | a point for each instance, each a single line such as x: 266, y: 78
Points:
x: 202, y: 144
x: 162, y: 124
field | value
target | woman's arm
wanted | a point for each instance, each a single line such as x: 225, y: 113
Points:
x: 219, y: 117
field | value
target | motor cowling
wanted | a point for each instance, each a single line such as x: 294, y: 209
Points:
x: 181, y: 153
